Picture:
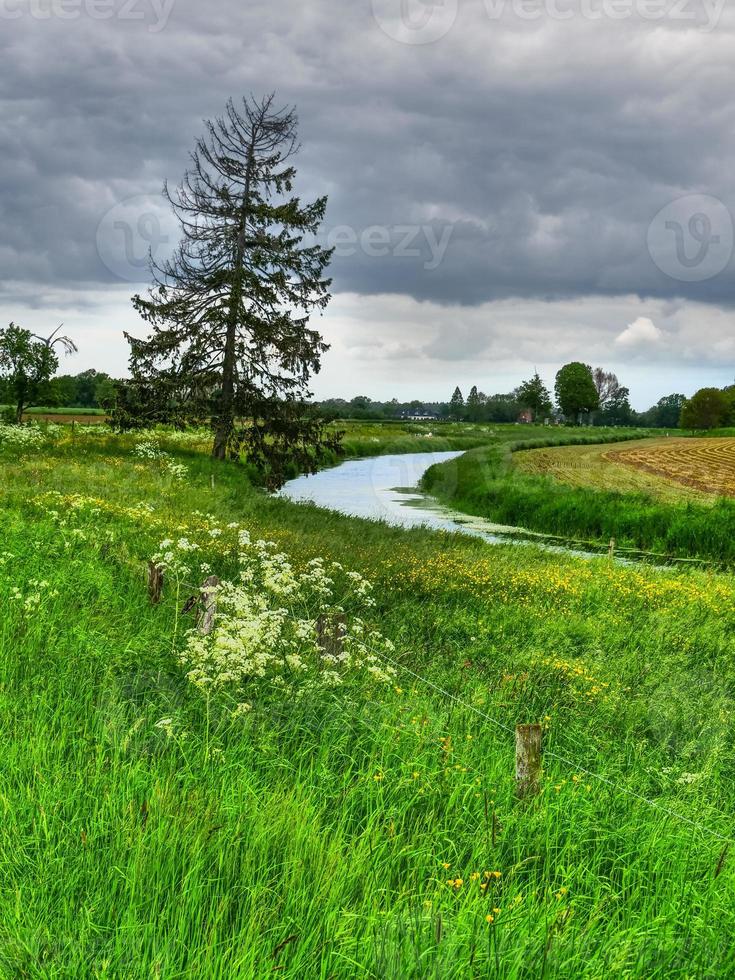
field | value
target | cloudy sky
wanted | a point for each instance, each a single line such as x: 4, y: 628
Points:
x: 512, y: 183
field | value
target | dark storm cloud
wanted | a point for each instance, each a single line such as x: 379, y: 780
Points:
x: 511, y: 157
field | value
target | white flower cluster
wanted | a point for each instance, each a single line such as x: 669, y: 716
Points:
x: 150, y: 450
x: 187, y: 437
x: 175, y: 557
x: 90, y: 429
x: 266, y: 630
x: 147, y: 450
x: 38, y: 589
x: 21, y: 436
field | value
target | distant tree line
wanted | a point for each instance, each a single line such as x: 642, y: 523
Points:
x: 583, y: 394
x: 709, y: 408
x: 89, y: 389
x: 493, y: 408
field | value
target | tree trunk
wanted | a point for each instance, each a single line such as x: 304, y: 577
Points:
x: 19, y: 413
x: 225, y: 416
x: 224, y: 423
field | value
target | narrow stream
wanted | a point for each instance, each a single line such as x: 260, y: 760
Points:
x: 385, y: 488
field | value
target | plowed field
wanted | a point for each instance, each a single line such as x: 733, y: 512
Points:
x: 707, y: 465
x: 664, y: 468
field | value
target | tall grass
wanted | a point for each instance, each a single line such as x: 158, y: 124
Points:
x: 319, y: 839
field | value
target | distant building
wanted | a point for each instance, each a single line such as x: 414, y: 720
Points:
x: 526, y: 416
x: 419, y: 416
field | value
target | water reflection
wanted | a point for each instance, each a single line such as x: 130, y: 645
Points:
x: 368, y: 488
x: 385, y: 488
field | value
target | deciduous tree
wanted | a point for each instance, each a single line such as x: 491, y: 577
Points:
x: 27, y: 362
x: 575, y: 391
x: 616, y: 409
x: 606, y: 385
x: 706, y: 409
x: 668, y: 411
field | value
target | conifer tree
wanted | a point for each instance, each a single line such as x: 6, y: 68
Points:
x: 534, y: 395
x: 230, y: 310
x: 474, y: 405
x: 456, y: 405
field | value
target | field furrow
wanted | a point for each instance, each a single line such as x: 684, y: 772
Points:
x: 707, y: 465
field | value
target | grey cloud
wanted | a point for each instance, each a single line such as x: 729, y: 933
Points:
x: 546, y: 148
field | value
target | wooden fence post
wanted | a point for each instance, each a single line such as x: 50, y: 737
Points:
x: 209, y: 602
x: 155, y: 582
x: 528, y: 760
x: 330, y: 633
x: 611, y: 548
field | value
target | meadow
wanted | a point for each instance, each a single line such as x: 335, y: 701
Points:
x: 42, y: 413
x: 179, y: 808
x: 364, y: 439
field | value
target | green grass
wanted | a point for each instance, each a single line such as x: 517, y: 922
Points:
x: 240, y: 848
x: 362, y: 439
x: 59, y: 410
x: 378, y: 438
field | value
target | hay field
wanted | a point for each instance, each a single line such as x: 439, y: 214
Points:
x: 666, y: 468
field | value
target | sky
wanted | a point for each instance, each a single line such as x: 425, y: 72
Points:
x: 512, y: 184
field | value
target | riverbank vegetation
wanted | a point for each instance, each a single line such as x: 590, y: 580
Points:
x: 158, y: 827
x: 378, y: 438
x: 590, y: 495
